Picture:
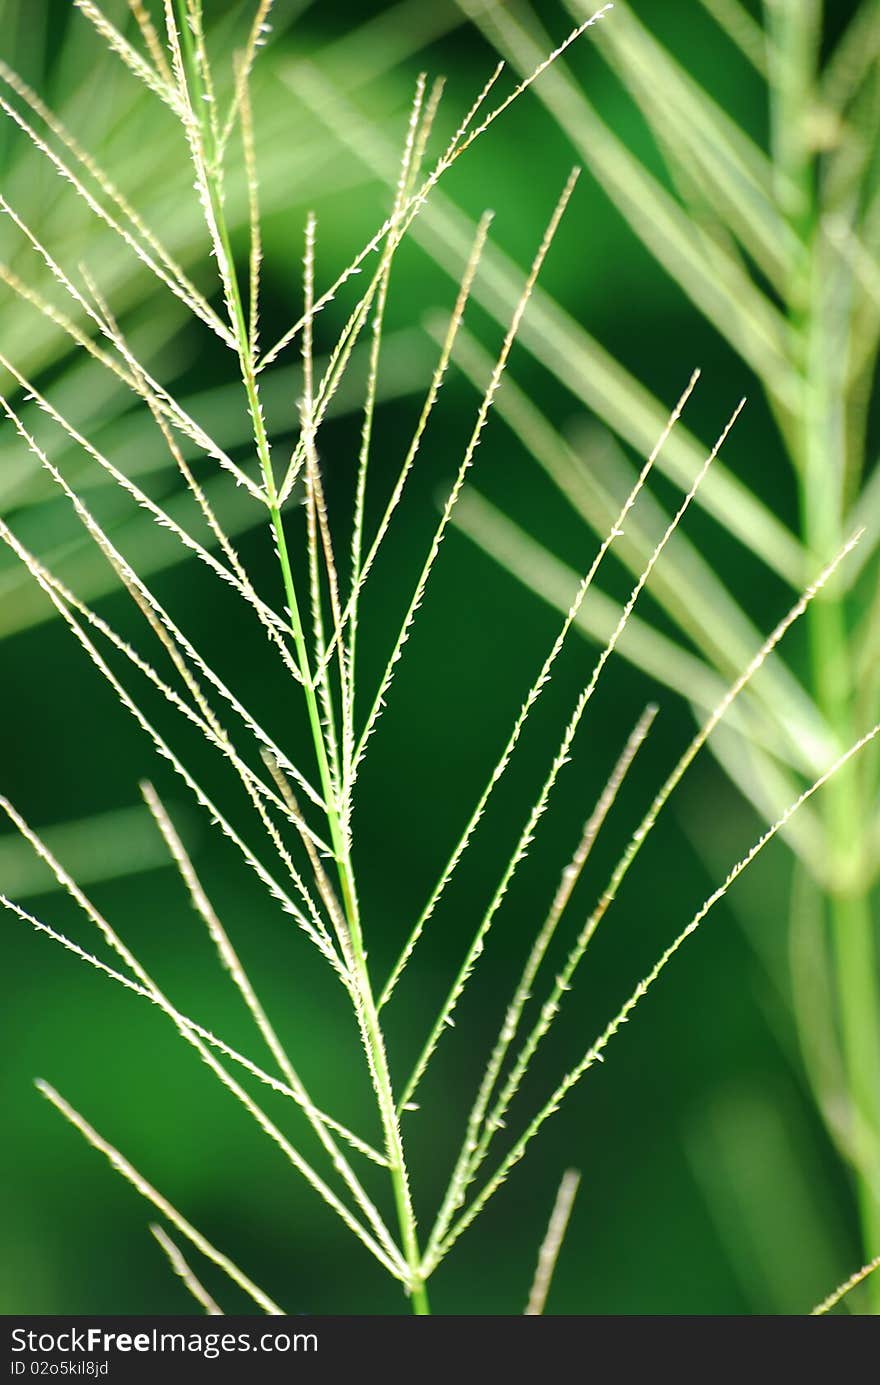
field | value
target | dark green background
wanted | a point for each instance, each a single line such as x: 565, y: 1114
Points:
x: 708, y: 1183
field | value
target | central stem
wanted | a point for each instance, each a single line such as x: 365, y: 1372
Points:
x: 369, y: 1018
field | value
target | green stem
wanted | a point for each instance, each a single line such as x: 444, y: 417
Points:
x: 852, y: 934
x: 856, y: 960
x: 370, y: 1020
x: 819, y: 308
x: 847, y: 806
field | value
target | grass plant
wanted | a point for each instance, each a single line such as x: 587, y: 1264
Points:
x: 294, y: 821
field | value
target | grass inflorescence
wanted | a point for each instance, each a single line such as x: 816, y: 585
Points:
x: 302, y: 841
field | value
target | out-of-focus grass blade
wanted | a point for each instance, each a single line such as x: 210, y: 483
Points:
x: 720, y: 288
x: 732, y: 171
x: 742, y: 29
x: 748, y: 1156
x: 136, y: 446
x: 851, y: 61
x: 103, y: 847
x: 814, y: 1006
x: 851, y: 163
x: 595, y: 475
x: 80, y: 565
x: 387, y: 39
x: 794, y: 30
x: 595, y: 478
x: 866, y: 639
x: 741, y: 743
x: 554, y: 581
x: 765, y: 784
x: 696, y: 598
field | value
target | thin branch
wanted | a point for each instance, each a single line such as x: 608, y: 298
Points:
x: 146, y: 1190
x: 184, y: 1273
x: 843, y: 1289
x: 595, y: 1054
x: 535, y: 692
x: 552, y: 1243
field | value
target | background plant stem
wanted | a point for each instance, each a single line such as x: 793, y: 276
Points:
x: 819, y: 310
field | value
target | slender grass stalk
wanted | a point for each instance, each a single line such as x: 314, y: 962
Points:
x: 185, y: 1274
x: 841, y: 1292
x: 473, y: 1147
x: 368, y: 1015
x: 552, y: 1243
x: 534, y: 693
x: 356, y: 1143
x: 595, y: 1053
x: 484, y: 1124
x: 140, y: 1184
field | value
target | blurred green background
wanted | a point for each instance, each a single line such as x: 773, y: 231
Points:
x: 709, y: 1183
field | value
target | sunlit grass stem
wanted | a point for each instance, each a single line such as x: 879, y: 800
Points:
x: 372, y: 1030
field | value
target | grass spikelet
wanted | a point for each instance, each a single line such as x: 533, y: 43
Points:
x: 257, y: 38
x: 188, y: 292
x: 437, y: 379
x: 461, y: 141
x: 174, y: 279
x: 843, y: 1289
x: 118, y: 44
x: 151, y: 39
